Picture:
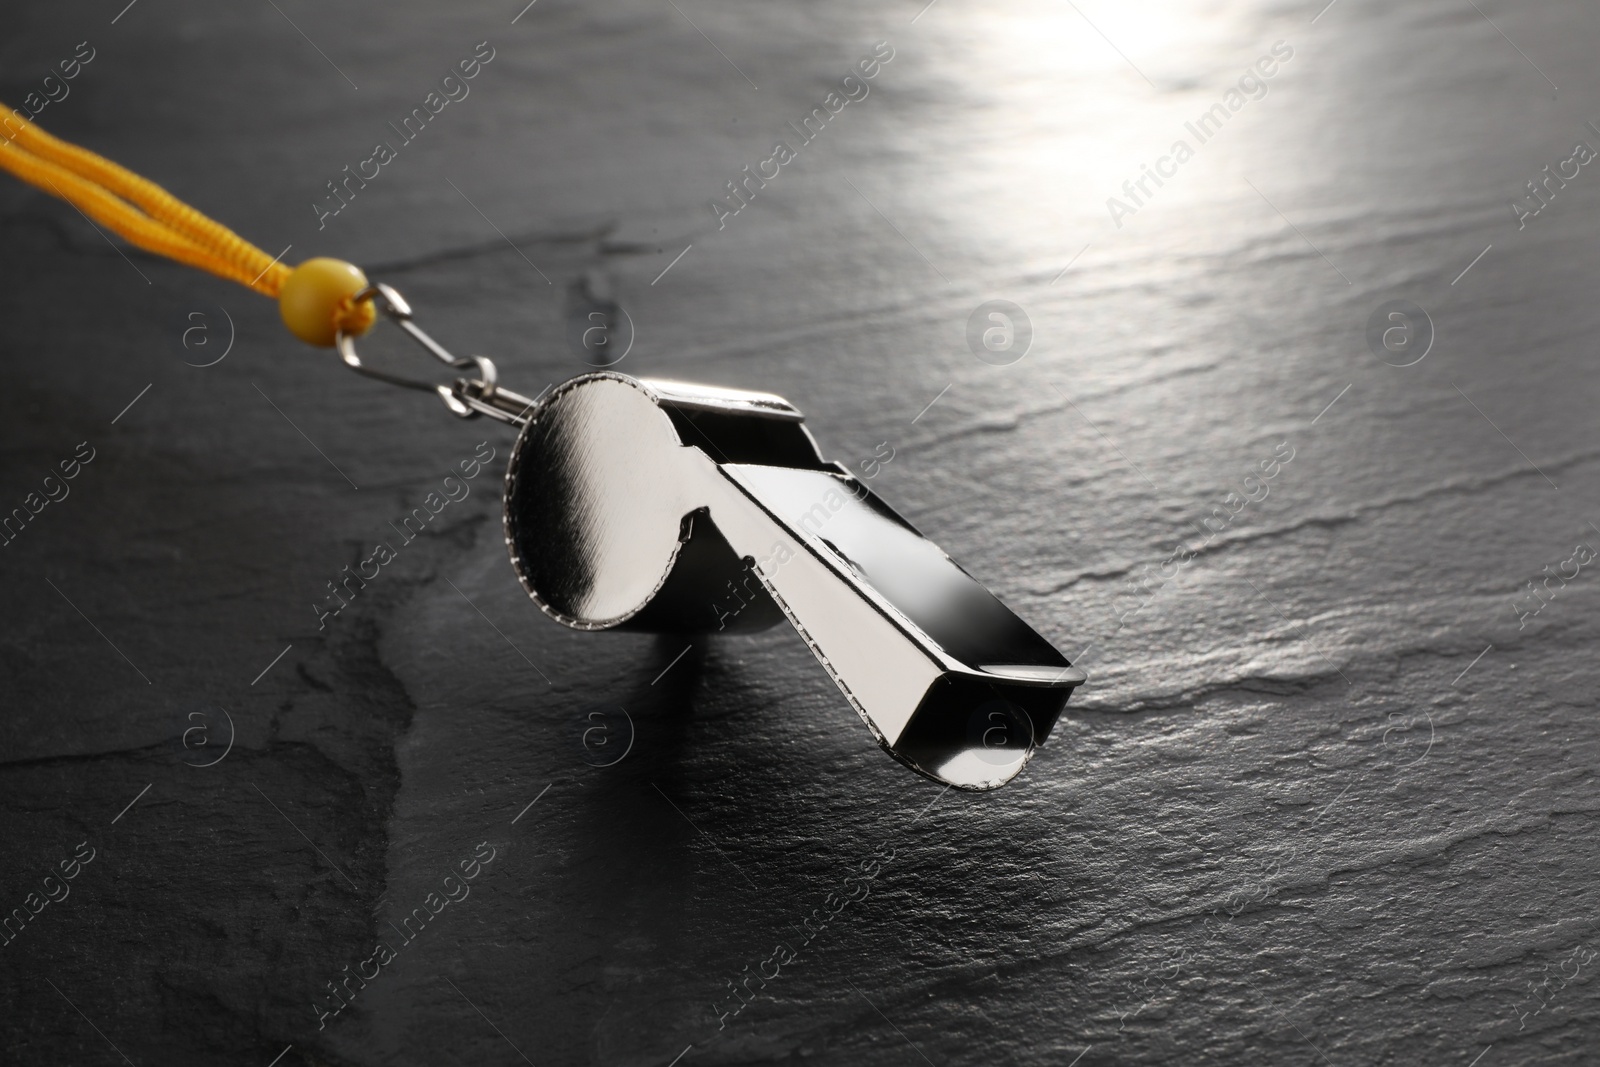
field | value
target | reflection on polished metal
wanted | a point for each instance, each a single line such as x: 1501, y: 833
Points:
x: 637, y: 504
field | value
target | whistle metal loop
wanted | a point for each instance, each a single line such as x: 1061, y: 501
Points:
x: 497, y: 402
x: 466, y: 398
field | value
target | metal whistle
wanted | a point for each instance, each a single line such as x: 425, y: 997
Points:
x: 634, y: 504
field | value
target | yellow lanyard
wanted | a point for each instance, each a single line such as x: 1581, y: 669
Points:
x: 317, y: 299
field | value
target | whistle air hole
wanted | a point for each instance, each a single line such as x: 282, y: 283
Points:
x: 711, y: 589
x: 686, y: 524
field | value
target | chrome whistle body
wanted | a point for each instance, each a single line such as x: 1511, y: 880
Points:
x: 639, y: 504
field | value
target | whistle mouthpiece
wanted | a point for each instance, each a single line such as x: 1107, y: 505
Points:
x: 658, y: 505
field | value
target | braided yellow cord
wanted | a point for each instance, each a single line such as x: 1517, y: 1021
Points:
x: 135, y: 208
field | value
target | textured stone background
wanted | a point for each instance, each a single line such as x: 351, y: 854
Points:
x: 1294, y: 818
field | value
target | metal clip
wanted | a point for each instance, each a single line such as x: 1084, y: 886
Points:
x: 465, y: 397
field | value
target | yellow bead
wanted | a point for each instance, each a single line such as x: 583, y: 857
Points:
x: 315, y: 301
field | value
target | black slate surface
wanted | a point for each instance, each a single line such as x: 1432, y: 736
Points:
x: 1329, y: 796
